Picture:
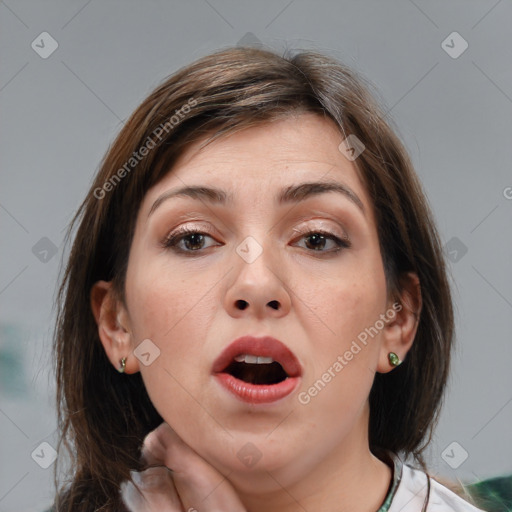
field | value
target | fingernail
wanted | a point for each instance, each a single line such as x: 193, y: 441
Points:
x: 151, y: 477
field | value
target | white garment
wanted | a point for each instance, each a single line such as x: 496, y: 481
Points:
x: 411, y: 495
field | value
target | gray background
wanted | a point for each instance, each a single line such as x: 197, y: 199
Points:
x: 59, y: 114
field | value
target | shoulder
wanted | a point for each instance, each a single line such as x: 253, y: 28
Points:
x: 414, y: 489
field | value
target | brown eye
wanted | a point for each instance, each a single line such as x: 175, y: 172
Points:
x: 318, y: 240
x: 186, y: 240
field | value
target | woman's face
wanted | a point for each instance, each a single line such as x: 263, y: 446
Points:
x: 259, y: 267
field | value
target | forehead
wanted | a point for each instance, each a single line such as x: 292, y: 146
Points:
x: 253, y: 163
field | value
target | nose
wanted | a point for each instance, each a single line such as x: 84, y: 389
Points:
x: 258, y: 288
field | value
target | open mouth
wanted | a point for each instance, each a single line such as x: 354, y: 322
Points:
x: 256, y: 370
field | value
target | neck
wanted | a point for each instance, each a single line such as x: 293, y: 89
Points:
x: 349, y: 479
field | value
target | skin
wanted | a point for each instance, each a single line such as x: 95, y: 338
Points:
x: 314, y: 456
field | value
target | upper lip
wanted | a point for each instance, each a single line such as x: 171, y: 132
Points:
x: 265, y: 346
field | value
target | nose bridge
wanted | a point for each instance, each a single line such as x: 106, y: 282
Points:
x: 256, y: 260
x: 257, y: 249
x: 258, y: 285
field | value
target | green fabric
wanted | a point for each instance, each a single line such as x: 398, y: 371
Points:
x: 493, y: 495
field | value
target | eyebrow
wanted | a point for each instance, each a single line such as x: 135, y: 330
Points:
x: 291, y: 194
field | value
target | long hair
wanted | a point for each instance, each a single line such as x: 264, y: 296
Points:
x: 103, y: 415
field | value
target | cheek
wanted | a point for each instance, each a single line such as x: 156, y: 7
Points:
x: 340, y: 374
x: 166, y: 310
x: 344, y: 304
x: 346, y: 307
x: 164, y: 302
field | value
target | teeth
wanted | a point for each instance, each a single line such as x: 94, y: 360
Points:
x: 250, y: 359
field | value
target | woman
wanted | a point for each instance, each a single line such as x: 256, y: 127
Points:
x: 256, y: 273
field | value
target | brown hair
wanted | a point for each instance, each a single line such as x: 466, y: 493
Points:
x: 104, y: 415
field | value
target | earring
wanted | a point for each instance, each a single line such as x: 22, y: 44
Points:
x: 394, y: 360
x: 123, y: 365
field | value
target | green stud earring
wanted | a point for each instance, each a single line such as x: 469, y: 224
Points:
x: 394, y: 360
x: 123, y: 365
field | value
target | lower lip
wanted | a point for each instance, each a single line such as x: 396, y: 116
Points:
x: 257, y: 393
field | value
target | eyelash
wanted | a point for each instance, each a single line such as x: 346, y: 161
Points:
x: 172, y: 241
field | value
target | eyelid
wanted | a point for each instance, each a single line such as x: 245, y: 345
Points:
x: 184, y: 229
x: 209, y: 230
x: 322, y: 225
x: 305, y: 227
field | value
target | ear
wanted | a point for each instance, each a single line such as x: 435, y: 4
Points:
x: 113, y: 326
x: 400, y: 330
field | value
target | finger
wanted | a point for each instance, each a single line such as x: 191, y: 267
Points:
x: 154, y: 450
x: 154, y: 491
x: 200, y: 486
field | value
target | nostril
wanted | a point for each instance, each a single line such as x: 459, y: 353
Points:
x: 274, y: 304
x: 241, y: 304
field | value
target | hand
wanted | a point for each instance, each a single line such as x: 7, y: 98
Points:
x: 178, y: 479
